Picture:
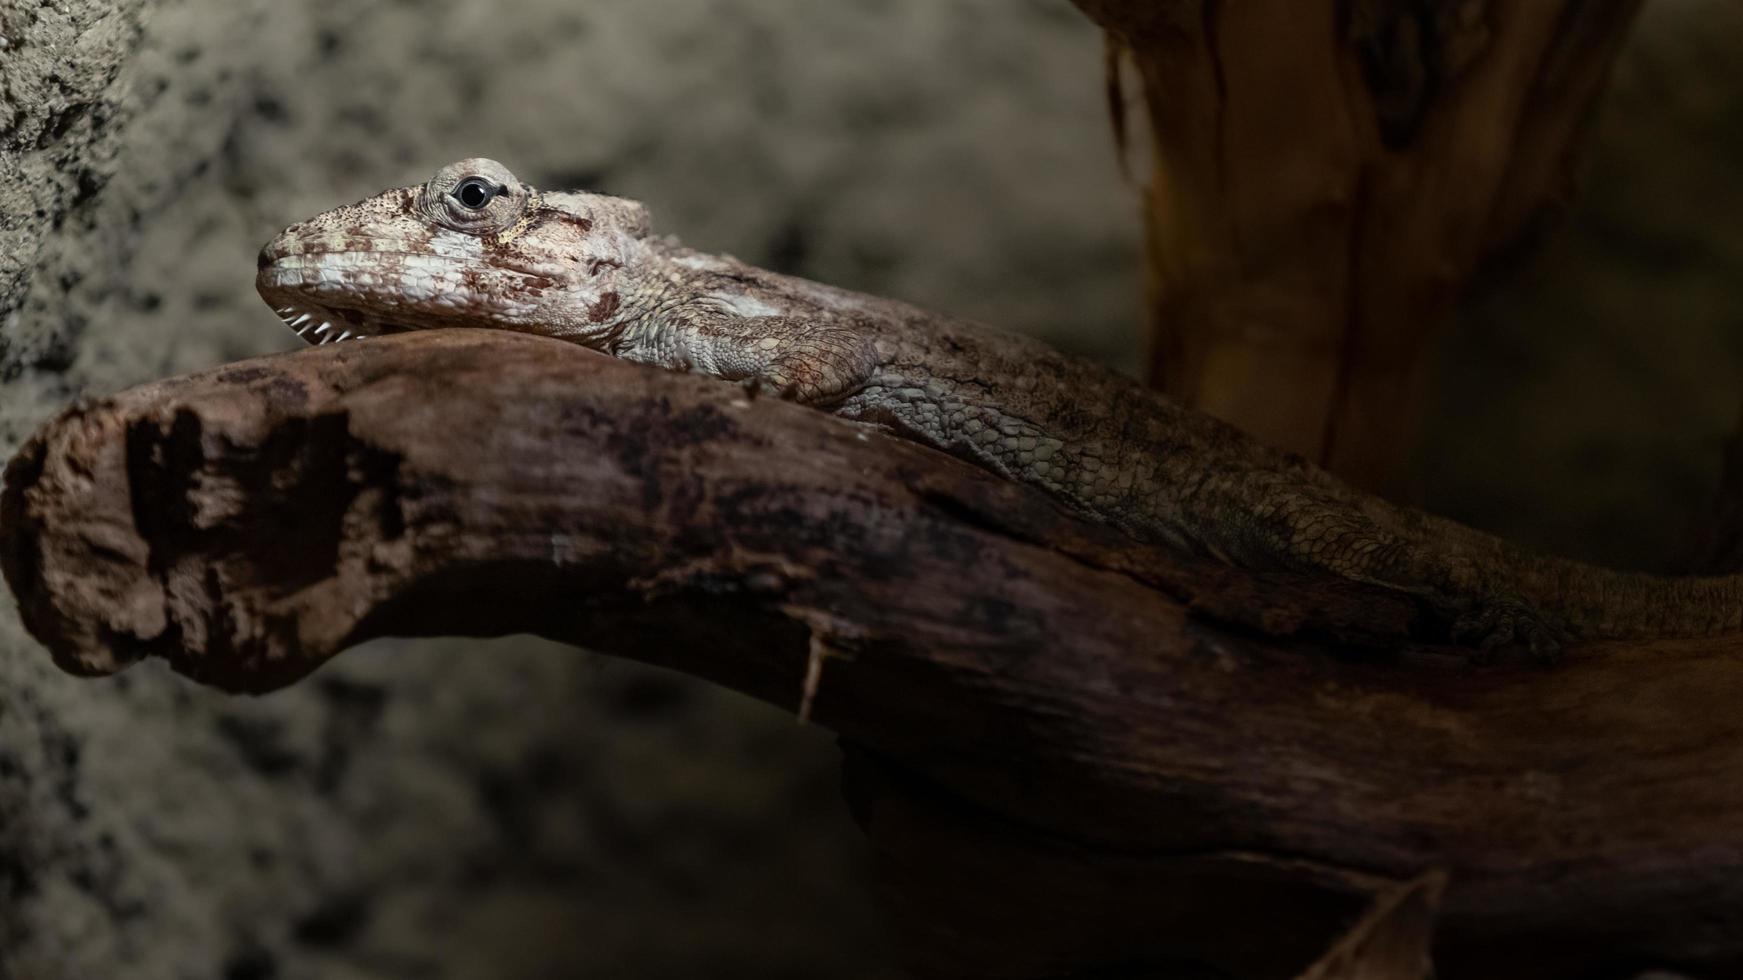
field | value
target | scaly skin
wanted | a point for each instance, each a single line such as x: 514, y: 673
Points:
x: 476, y: 247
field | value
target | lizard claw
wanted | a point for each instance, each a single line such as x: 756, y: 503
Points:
x: 1496, y: 622
x: 777, y: 386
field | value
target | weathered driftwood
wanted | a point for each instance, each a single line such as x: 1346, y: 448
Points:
x: 1073, y: 752
x: 1328, y: 175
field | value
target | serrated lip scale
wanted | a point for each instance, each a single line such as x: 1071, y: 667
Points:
x: 312, y: 328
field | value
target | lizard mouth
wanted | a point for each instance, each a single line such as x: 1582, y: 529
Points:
x: 320, y: 326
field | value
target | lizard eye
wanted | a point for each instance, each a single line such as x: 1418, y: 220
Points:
x: 474, y: 193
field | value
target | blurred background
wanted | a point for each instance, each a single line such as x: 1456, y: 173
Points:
x: 514, y: 809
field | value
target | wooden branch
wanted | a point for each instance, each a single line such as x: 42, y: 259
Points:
x: 1070, y: 753
x: 1328, y: 177
x: 1391, y: 942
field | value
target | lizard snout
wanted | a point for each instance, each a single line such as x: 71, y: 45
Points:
x: 279, y: 246
x: 285, y: 243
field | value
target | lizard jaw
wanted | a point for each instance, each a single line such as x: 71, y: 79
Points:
x: 299, y: 308
x: 313, y: 327
x: 320, y: 326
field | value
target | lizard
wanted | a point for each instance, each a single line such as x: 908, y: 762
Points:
x: 474, y: 246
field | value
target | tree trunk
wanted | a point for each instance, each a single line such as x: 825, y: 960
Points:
x: 1074, y: 753
x: 1328, y: 177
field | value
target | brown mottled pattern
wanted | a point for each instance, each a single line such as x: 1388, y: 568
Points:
x: 583, y: 267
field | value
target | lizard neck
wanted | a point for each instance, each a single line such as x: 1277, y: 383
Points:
x: 649, y: 300
x: 678, y: 302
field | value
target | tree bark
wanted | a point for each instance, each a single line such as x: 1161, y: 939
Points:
x: 1073, y: 752
x: 1328, y: 176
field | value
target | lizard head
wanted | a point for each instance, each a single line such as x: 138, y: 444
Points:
x: 473, y: 246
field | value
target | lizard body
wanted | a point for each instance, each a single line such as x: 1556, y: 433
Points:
x: 476, y: 247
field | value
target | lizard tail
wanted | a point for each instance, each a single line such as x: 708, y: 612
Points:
x: 1616, y: 605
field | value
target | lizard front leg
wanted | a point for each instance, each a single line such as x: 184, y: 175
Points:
x: 808, y: 361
